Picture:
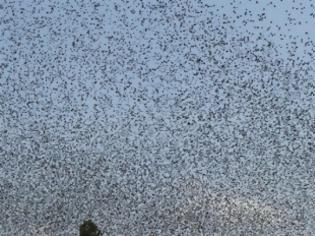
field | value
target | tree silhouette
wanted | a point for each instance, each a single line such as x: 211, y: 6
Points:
x: 88, y: 228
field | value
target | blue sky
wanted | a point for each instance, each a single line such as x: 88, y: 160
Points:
x: 294, y: 17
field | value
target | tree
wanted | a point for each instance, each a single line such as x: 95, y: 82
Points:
x: 88, y: 228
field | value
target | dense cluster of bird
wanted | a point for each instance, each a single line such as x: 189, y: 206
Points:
x: 120, y: 110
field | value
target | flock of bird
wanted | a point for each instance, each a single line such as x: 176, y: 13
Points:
x: 157, y: 117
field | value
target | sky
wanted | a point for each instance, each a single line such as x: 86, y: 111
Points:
x: 136, y: 99
x: 282, y: 20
